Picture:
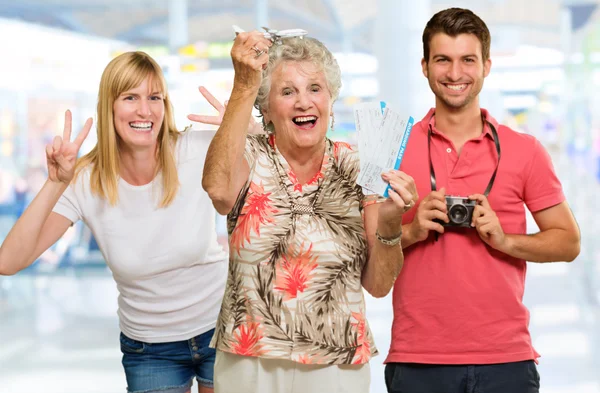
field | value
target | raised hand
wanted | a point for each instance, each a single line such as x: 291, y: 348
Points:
x: 61, y: 154
x: 253, y: 126
x: 250, y: 55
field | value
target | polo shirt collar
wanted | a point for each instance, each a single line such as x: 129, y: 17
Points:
x: 429, y: 119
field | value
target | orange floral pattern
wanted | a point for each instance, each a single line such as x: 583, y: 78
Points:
x: 363, y: 352
x: 294, y: 284
x: 246, y: 340
x: 338, y: 146
x: 293, y: 272
x: 257, y: 211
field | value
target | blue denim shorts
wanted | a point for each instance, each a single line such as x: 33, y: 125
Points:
x: 167, y: 367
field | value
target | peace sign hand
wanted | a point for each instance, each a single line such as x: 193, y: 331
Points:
x: 205, y: 119
x: 61, y: 154
x: 253, y: 126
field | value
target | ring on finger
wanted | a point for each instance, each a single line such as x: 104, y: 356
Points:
x: 259, y: 52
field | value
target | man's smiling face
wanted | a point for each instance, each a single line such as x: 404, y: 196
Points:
x: 455, y: 70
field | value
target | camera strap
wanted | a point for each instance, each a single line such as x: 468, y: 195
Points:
x: 490, y: 184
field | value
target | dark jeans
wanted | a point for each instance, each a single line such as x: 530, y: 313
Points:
x: 168, y: 367
x: 517, y: 377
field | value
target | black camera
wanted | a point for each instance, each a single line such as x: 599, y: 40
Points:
x: 460, y: 211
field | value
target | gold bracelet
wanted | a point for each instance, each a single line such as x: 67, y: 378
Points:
x: 388, y: 242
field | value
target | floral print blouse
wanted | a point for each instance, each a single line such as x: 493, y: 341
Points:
x: 296, y: 256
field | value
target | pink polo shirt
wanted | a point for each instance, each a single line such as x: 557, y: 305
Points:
x: 457, y: 300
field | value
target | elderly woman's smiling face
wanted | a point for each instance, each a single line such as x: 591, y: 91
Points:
x: 299, y: 104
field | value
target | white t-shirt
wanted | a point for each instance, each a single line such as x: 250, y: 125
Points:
x: 169, y: 269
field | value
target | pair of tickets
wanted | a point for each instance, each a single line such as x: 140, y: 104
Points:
x: 383, y: 134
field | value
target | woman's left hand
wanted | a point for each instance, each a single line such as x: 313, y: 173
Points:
x: 253, y: 126
x: 403, y: 195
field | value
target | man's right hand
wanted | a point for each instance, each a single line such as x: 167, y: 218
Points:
x: 432, y: 207
x: 61, y: 154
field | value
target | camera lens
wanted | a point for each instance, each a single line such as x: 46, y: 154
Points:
x: 458, y: 213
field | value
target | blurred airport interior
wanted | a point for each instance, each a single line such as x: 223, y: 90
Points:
x: 58, y: 321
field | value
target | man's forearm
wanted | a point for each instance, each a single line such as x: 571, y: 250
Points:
x: 407, y: 237
x: 552, y: 245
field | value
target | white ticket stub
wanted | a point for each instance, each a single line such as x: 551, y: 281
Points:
x: 382, y: 137
x: 367, y: 117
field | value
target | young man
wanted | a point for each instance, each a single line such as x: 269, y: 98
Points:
x: 459, y: 321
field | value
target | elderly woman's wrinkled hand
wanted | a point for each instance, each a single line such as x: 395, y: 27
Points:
x: 250, y: 54
x: 402, y: 196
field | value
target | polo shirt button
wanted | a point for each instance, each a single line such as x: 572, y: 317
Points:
x: 194, y: 348
x: 196, y: 356
x: 448, y: 150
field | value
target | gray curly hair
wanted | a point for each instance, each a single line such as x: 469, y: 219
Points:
x: 300, y: 49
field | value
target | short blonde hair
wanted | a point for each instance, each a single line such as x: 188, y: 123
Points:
x: 300, y: 49
x: 123, y: 73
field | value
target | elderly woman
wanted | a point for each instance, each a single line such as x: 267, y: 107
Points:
x: 303, y: 238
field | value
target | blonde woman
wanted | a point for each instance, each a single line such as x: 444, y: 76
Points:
x: 139, y: 190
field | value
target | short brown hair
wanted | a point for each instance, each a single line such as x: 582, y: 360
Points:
x: 455, y: 21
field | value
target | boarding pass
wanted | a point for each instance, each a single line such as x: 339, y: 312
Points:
x: 383, y: 134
